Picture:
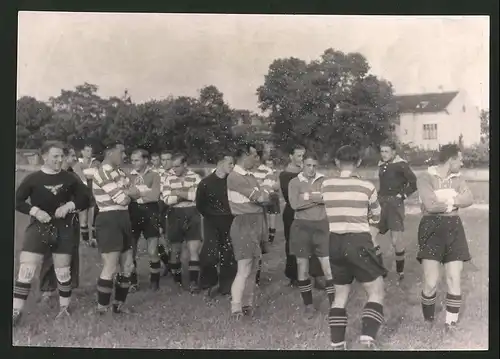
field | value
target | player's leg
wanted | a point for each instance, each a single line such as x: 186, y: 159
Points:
x: 48, y: 280
x: 110, y: 267
x: 291, y: 261
x: 84, y: 226
x: 453, y: 272
x: 176, y: 222
x: 62, y: 268
x: 321, y: 249
x: 28, y: 263
x: 238, y: 287
x: 432, y: 272
x: 395, y: 221
x: 193, y: 238
x: 362, y: 257
x: 247, y: 299
x: 162, y: 243
x: 228, y: 264
x: 122, y: 284
x: 152, y: 234
x: 209, y: 256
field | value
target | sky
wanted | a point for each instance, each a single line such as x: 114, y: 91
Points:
x: 157, y: 55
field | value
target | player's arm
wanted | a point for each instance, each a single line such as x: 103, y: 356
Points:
x: 81, y: 194
x: 464, y: 197
x: 201, y: 198
x: 166, y: 194
x: 237, y: 186
x: 428, y: 197
x: 374, y: 211
x: 23, y: 192
x: 411, y: 180
x: 190, y: 194
x: 106, y: 180
x: 298, y: 201
x: 150, y: 194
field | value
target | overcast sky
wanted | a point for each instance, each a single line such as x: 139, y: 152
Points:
x: 156, y: 55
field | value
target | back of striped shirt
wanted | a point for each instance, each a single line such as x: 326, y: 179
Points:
x: 188, y: 182
x: 107, y: 186
x: 351, y: 204
x: 266, y: 178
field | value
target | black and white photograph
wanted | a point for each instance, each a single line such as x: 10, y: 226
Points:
x: 252, y: 181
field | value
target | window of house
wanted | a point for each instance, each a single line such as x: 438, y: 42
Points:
x: 423, y: 104
x: 430, y: 131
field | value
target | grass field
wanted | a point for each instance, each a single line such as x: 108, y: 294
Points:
x: 174, y: 319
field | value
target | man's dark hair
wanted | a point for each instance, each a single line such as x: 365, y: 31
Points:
x: 347, y: 155
x: 243, y: 149
x: 448, y: 151
x: 144, y: 154
x: 166, y: 152
x: 220, y: 156
x: 47, y: 145
x: 181, y: 156
x: 112, y: 146
x: 296, y: 148
x: 155, y: 154
x: 88, y: 144
x: 67, y: 149
x: 311, y: 155
x: 388, y: 143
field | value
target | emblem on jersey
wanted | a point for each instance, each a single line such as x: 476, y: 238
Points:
x: 54, y: 189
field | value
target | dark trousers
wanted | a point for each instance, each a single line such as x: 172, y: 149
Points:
x: 291, y: 261
x: 217, y: 249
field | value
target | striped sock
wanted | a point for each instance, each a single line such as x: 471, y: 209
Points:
x: 305, y: 287
x: 259, y: 268
x: 330, y: 290
x: 428, y: 306
x: 21, y: 291
x: 400, y: 261
x: 452, y: 307
x: 194, y: 271
x: 64, y: 293
x: 337, y: 321
x: 104, y: 291
x: 154, y: 269
x: 175, y: 268
x: 121, y: 288
x: 84, y: 231
x: 272, y: 233
x: 371, y: 319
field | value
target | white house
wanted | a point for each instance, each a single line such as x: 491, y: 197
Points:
x: 432, y: 119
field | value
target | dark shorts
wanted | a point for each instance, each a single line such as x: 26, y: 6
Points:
x: 114, y: 231
x: 309, y: 238
x: 353, y: 256
x: 145, y: 219
x: 392, y: 217
x: 442, y: 238
x: 274, y: 206
x: 60, y: 237
x: 247, y: 233
x: 183, y: 224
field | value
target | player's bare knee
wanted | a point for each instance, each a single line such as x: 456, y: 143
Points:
x: 429, y: 286
x: 375, y: 290
x: 63, y: 274
x: 341, y: 296
x: 26, y: 272
x: 302, y: 268
x: 453, y: 282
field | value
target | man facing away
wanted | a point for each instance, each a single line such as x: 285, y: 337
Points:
x: 292, y: 170
x: 249, y: 228
x: 441, y: 235
x: 113, y: 193
x: 54, y: 195
x: 310, y: 230
x: 212, y: 203
x: 353, y: 213
x: 184, y: 223
x: 145, y: 215
x: 397, y: 182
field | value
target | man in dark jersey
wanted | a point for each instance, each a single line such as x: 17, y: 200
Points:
x: 212, y: 203
x: 292, y: 170
x: 48, y: 280
x: 54, y: 197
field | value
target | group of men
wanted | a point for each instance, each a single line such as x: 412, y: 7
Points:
x: 228, y: 220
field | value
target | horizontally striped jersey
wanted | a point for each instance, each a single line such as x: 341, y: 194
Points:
x: 243, y: 191
x: 186, y: 183
x: 266, y: 177
x: 108, y: 187
x: 351, y: 204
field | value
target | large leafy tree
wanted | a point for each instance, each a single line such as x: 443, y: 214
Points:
x: 485, y: 125
x: 327, y: 102
x: 31, y: 115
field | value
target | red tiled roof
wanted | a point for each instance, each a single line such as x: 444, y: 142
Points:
x: 425, y: 103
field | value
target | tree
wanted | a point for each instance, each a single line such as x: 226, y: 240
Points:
x: 31, y: 115
x: 485, y: 125
x: 327, y: 102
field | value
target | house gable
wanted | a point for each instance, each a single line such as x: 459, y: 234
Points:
x: 425, y: 103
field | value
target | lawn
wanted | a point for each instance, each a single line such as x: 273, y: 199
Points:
x: 172, y: 318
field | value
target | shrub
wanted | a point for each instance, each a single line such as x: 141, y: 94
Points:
x: 477, y: 155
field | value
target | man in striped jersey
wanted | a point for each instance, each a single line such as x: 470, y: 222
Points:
x: 441, y: 235
x: 353, y: 213
x: 268, y: 181
x: 155, y: 163
x: 165, y: 166
x: 145, y: 215
x: 113, y: 193
x: 184, y: 223
x: 85, y: 169
x: 309, y: 231
x: 247, y: 201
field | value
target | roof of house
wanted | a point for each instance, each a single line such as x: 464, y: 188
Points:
x: 425, y: 103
